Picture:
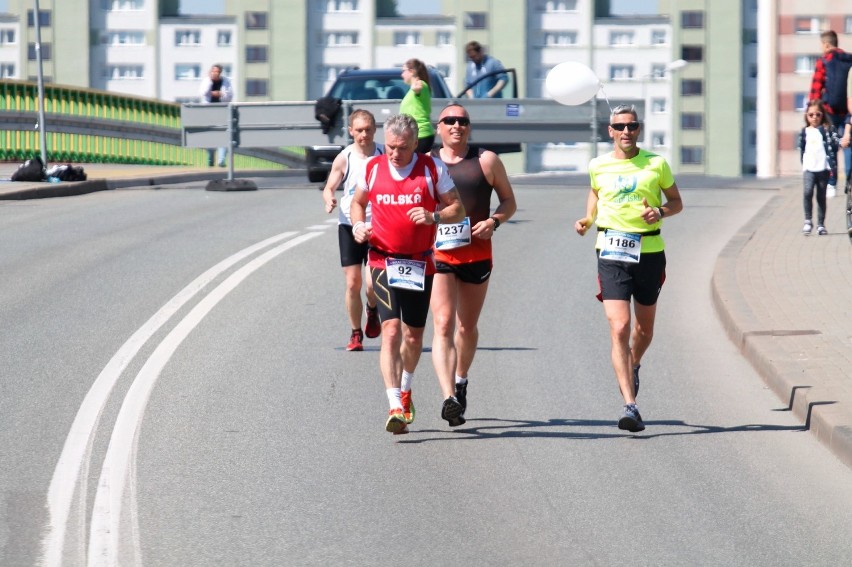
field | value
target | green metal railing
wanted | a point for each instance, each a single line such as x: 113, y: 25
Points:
x: 96, y: 113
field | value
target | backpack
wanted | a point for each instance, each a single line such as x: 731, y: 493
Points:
x: 67, y: 173
x: 326, y: 110
x: 30, y: 170
x: 836, y: 71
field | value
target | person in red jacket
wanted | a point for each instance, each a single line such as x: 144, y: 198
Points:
x: 405, y: 190
x: 837, y: 116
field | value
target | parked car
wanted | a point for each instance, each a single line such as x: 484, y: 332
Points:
x: 367, y: 84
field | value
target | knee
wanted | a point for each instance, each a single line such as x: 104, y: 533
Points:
x: 620, y: 329
x: 443, y: 323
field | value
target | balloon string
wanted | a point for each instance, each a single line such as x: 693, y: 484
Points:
x: 603, y: 91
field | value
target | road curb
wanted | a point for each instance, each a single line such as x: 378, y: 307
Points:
x: 791, y: 381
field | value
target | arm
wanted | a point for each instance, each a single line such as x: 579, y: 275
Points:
x: 498, y: 87
x: 452, y: 210
x: 817, y: 81
x: 205, y: 91
x: 357, y: 214
x: 673, y: 204
x: 335, y: 178
x: 495, y: 174
x: 226, y: 94
x: 584, y: 224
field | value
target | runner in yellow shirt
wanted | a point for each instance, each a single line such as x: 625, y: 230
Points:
x: 626, y: 202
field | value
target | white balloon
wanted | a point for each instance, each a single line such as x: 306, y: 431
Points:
x: 572, y: 83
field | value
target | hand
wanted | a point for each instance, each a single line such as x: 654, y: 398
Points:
x: 844, y: 141
x: 583, y: 225
x: 330, y: 203
x: 651, y: 215
x: 419, y: 215
x: 483, y: 229
x: 362, y: 232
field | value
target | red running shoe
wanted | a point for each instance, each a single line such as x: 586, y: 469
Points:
x: 407, y: 406
x: 374, y: 326
x: 356, y: 340
x: 396, y: 422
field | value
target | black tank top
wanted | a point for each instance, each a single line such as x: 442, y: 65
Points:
x: 474, y: 189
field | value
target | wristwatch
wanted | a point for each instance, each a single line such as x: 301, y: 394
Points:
x: 436, y: 218
x: 496, y: 222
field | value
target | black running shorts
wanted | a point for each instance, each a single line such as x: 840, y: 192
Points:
x: 412, y: 307
x: 351, y: 253
x: 641, y: 281
x: 472, y: 273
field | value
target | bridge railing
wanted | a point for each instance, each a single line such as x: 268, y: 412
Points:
x: 91, y: 126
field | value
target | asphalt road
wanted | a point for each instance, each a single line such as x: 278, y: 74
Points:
x: 175, y: 391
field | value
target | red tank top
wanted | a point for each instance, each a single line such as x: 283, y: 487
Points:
x: 393, y: 232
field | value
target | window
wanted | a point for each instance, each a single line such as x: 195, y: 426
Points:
x: 43, y: 18
x: 475, y: 20
x: 124, y: 38
x: 847, y: 25
x: 341, y: 6
x: 406, y: 38
x: 256, y: 87
x: 559, y: 39
x: 691, y: 87
x: 752, y: 71
x: 124, y: 72
x: 658, y: 139
x: 620, y: 72
x: 691, y: 121
x: 692, y: 155
x: 187, y: 72
x: 7, y: 37
x: 7, y: 70
x: 692, y: 20
x: 46, y: 52
x: 800, y: 101
x: 185, y: 38
x: 805, y: 64
x: 620, y: 38
x: 223, y: 38
x: 659, y: 37
x: 340, y: 38
x: 256, y: 54
x: 256, y: 20
x: 692, y: 53
x: 443, y: 39
x: 808, y: 25
x: 658, y: 70
x: 117, y: 5
x: 560, y: 6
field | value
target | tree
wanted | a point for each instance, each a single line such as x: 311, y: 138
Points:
x: 386, y: 9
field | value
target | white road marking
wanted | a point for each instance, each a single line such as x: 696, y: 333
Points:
x: 77, y: 448
x: 105, y: 529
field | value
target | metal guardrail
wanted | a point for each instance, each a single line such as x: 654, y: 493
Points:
x: 279, y: 124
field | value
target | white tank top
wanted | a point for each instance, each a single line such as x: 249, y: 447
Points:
x: 355, y: 166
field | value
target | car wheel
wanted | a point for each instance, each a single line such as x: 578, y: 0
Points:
x: 317, y: 176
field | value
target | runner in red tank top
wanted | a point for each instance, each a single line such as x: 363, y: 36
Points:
x: 463, y: 252
x: 404, y: 190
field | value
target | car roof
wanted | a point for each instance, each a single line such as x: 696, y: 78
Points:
x: 441, y: 91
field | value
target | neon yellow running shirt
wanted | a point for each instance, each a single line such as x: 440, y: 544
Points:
x: 621, y: 184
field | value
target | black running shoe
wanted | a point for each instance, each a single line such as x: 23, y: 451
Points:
x: 452, y: 412
x: 461, y: 395
x: 630, y: 419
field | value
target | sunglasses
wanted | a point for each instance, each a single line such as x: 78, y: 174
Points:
x: 631, y: 126
x: 814, y: 114
x: 460, y: 120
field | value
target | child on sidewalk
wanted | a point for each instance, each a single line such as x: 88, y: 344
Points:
x: 818, y: 145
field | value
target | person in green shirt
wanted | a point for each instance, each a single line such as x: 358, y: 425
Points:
x: 626, y: 202
x: 417, y: 103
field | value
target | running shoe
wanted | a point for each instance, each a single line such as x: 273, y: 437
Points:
x: 461, y: 395
x: 396, y: 422
x: 636, y: 379
x: 452, y: 412
x: 356, y: 340
x: 831, y: 191
x: 374, y: 326
x: 821, y: 230
x: 407, y: 406
x: 807, y: 228
x: 630, y: 419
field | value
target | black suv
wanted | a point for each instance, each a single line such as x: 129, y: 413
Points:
x: 366, y: 84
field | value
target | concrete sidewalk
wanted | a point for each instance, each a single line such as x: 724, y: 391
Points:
x: 785, y: 299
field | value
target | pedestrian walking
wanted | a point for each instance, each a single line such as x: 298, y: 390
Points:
x: 818, y: 144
